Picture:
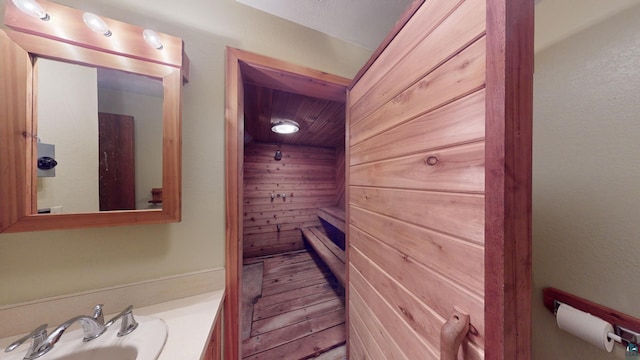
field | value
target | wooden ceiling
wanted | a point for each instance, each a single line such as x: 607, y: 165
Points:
x: 317, y: 104
x: 322, y: 122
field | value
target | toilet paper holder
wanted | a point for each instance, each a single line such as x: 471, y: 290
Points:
x: 624, y: 325
x: 623, y: 335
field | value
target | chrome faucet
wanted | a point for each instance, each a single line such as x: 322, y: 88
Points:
x: 38, y: 335
x: 92, y: 327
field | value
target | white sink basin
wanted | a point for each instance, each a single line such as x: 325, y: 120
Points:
x: 144, y: 343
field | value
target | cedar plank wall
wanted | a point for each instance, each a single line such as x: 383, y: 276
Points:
x: 416, y: 228
x: 306, y: 174
x: 340, y: 177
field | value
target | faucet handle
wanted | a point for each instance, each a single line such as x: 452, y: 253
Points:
x: 97, y: 314
x: 38, y: 335
x: 127, y: 322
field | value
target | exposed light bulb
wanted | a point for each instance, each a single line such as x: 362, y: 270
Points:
x: 285, y: 127
x: 152, y: 38
x: 32, y: 8
x: 95, y: 23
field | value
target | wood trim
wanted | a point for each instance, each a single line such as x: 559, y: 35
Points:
x: 347, y: 217
x: 16, y: 134
x: 234, y: 130
x: 79, y: 55
x: 238, y: 61
x: 612, y: 316
x: 508, y: 179
x: 171, y: 180
x: 214, y: 347
x: 172, y: 146
x: 415, y: 5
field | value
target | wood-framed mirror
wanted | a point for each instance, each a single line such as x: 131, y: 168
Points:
x: 62, y: 37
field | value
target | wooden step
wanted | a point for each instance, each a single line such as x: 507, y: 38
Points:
x: 334, y: 216
x: 328, y: 251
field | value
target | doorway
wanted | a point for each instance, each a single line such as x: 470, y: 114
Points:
x: 287, y: 81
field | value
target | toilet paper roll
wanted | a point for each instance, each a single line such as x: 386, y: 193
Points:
x: 585, y: 326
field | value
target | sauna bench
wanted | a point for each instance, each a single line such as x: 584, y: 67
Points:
x: 326, y: 249
x: 334, y: 216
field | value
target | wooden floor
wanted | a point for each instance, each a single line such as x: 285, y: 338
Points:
x: 300, y: 313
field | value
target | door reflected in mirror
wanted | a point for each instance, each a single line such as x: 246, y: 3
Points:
x: 106, y: 130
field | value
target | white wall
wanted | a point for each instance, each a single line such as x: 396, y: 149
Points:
x: 147, y: 119
x: 586, y: 177
x: 78, y: 260
x: 68, y: 119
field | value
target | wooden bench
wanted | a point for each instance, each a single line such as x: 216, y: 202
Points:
x: 334, y: 216
x: 326, y: 249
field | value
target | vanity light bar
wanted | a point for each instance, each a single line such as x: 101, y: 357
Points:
x: 32, y: 8
x: 125, y: 39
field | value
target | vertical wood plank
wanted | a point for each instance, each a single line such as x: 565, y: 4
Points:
x: 508, y: 178
x: 15, y: 110
x: 172, y: 145
x: 234, y: 134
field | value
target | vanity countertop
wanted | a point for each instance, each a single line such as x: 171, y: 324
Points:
x: 189, y: 321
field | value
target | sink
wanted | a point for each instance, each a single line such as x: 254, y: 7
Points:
x: 144, y: 343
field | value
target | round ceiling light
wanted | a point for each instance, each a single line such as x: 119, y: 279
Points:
x: 285, y: 127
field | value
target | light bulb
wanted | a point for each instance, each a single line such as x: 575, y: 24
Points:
x: 32, y: 8
x: 152, y: 39
x: 95, y: 23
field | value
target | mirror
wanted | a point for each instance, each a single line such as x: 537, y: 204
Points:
x: 62, y: 40
x: 104, y: 128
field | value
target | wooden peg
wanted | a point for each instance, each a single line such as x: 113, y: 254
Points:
x: 452, y: 333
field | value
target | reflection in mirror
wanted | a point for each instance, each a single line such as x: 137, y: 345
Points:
x: 105, y: 128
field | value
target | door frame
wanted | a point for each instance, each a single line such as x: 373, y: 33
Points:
x: 508, y: 174
x: 280, y: 75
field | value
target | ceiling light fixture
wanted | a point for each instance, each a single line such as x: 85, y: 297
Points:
x: 32, y: 8
x: 285, y: 127
x: 95, y: 23
x: 152, y: 38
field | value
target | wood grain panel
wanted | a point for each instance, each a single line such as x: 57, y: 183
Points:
x: 364, y: 296
x: 457, y: 259
x: 376, y: 341
x: 462, y: 75
x: 287, y: 206
x: 430, y: 287
x: 416, y: 123
x: 459, y: 215
x: 357, y: 348
x: 15, y: 105
x: 428, y: 48
x: 309, y: 176
x: 270, y: 220
x: 340, y: 176
x: 459, y: 122
x: 457, y: 169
